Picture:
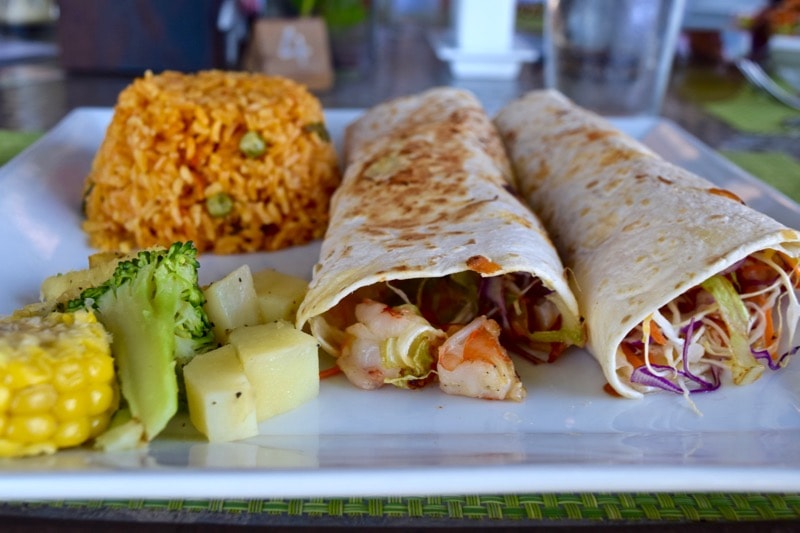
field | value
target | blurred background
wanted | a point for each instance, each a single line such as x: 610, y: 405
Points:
x: 59, y: 54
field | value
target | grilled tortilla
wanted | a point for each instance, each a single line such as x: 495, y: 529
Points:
x: 427, y: 223
x: 682, y: 286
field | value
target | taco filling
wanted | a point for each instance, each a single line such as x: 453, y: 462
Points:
x: 739, y: 322
x: 406, y: 332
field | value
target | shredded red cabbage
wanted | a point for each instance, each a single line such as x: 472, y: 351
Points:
x: 491, y: 290
x: 497, y: 295
x: 644, y: 376
x: 765, y: 357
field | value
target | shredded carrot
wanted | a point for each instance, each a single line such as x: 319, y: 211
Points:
x: 786, y: 259
x: 656, y: 334
x: 633, y: 358
x: 769, y: 326
x: 329, y: 372
x: 794, y: 267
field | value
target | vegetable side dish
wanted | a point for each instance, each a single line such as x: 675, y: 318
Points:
x: 115, y: 351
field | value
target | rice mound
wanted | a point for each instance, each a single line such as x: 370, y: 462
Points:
x: 170, y: 167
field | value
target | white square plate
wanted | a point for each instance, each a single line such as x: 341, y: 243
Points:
x: 567, y: 436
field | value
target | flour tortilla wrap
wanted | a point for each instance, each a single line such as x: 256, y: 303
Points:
x: 654, y: 251
x: 426, y: 196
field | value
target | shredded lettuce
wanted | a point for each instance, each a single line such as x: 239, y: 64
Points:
x: 571, y: 336
x: 450, y: 299
x: 744, y: 367
x: 410, y: 351
x: 414, y: 361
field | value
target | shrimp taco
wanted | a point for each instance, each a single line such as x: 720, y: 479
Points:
x: 432, y: 268
x: 683, y: 287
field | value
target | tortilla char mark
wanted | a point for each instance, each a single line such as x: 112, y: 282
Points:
x: 482, y: 265
x: 725, y: 193
x: 419, y: 175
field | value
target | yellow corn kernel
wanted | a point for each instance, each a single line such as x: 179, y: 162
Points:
x: 98, y: 424
x: 5, y: 398
x: 72, y: 405
x: 70, y: 375
x: 31, y: 428
x: 57, y: 382
x: 100, y: 369
x: 35, y: 399
x: 26, y: 372
x: 101, y: 397
x: 72, y: 433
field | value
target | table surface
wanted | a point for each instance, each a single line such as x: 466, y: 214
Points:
x: 35, y: 93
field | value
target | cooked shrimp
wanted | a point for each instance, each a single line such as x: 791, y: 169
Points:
x: 473, y: 363
x: 388, y: 345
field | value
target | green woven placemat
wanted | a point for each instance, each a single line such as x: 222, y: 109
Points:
x: 13, y: 142
x: 753, y: 111
x: 578, y: 507
x: 780, y: 170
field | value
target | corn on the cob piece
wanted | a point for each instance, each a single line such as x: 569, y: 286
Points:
x: 57, y: 382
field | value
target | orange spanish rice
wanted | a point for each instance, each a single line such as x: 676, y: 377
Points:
x: 170, y: 167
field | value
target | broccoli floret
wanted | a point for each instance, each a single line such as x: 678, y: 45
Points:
x: 153, y: 307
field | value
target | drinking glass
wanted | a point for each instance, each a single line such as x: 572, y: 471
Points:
x: 612, y: 56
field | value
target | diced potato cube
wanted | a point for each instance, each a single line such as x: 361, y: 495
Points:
x: 281, y: 363
x: 99, y: 259
x: 221, y: 400
x: 231, y: 302
x: 279, y: 295
x: 69, y: 285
